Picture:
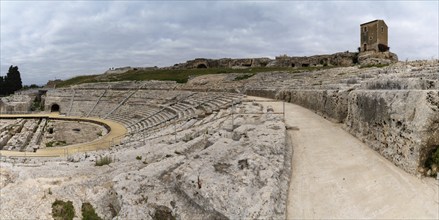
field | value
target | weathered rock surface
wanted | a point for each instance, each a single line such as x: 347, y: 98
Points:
x: 333, y: 93
x: 403, y: 126
x: 392, y: 109
x: 216, y: 173
x: 376, y: 58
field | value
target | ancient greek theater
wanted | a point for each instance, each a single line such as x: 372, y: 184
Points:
x: 323, y: 142
x: 219, y: 110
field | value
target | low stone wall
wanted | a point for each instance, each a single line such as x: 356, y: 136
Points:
x: 269, y: 93
x: 61, y: 97
x: 332, y: 104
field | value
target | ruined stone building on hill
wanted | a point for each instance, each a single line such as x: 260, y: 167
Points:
x: 374, y: 36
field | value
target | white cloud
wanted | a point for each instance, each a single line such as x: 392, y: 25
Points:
x: 63, y: 39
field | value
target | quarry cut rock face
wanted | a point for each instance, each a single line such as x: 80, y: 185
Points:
x: 393, y: 109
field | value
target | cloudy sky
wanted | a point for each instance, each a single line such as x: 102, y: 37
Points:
x: 59, y: 39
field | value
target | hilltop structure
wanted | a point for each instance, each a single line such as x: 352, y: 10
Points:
x: 374, y: 49
x: 374, y: 36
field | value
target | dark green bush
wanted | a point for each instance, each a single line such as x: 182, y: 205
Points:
x: 63, y: 210
x: 433, y: 161
x: 88, y: 212
x: 245, y: 76
x: 103, y: 161
x: 435, y: 157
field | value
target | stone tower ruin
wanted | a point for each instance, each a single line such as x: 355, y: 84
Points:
x: 373, y: 35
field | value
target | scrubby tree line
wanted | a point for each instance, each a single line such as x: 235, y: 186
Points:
x: 11, y: 82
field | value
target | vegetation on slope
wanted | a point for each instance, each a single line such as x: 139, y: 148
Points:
x: 88, y: 212
x: 180, y: 75
x: 63, y: 210
x: 432, y: 162
x: 77, y: 80
x: 103, y: 161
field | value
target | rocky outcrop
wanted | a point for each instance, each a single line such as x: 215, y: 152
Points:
x: 369, y: 58
x: 18, y: 104
x: 337, y: 59
x: 222, y: 63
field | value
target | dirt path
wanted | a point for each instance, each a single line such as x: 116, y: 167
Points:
x: 113, y: 137
x: 335, y: 176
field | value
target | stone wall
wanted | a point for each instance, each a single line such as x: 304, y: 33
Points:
x: 331, y: 104
x: 268, y: 93
x: 61, y: 97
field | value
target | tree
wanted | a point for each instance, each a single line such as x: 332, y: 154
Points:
x: 2, y: 86
x: 11, y: 82
x: 14, y: 79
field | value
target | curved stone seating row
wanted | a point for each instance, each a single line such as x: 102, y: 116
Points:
x: 158, y: 95
x: 145, y: 111
x: 186, y: 121
x: 129, y: 85
x: 182, y: 110
x: 81, y: 108
x: 106, y: 103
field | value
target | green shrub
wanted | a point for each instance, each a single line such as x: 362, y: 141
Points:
x: 55, y: 143
x: 103, y: 161
x: 435, y: 157
x: 245, y: 76
x: 432, y: 160
x: 139, y: 158
x: 63, y: 210
x: 88, y: 212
